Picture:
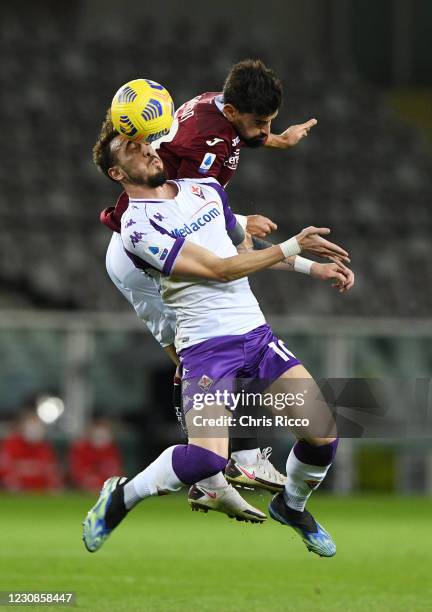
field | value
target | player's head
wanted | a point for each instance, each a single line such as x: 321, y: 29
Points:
x: 252, y: 96
x: 127, y: 162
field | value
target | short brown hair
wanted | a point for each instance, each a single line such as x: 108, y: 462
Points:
x: 251, y: 87
x: 102, y: 154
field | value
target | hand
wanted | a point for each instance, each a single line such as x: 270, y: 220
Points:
x: 343, y: 276
x: 310, y: 240
x: 291, y: 136
x: 260, y: 226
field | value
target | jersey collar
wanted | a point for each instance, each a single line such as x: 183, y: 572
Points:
x: 219, y: 102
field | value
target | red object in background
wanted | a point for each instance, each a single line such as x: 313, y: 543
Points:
x: 29, y: 466
x: 90, y: 465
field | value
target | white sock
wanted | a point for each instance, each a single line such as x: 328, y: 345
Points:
x: 247, y: 457
x: 158, y: 477
x: 302, y: 479
x: 214, y: 482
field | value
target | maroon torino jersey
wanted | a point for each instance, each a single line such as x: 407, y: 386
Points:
x: 202, y: 143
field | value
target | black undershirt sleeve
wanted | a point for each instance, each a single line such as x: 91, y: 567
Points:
x: 237, y: 234
x: 259, y: 244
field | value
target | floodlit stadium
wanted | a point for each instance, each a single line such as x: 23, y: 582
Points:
x: 289, y: 116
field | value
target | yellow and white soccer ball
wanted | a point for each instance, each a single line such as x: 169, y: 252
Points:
x: 142, y: 110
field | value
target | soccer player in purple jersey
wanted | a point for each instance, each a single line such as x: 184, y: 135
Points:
x: 214, y: 126
x: 184, y: 231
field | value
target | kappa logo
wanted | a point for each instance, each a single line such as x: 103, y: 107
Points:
x: 206, y: 163
x: 196, y: 190
x: 235, y: 141
x: 158, y: 217
x: 212, y: 143
x: 205, y: 382
x: 136, y: 237
x: 130, y: 222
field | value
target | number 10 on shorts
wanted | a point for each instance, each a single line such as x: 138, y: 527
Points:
x: 281, y: 350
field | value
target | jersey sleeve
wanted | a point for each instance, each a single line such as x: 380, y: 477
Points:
x: 230, y: 219
x: 201, y: 161
x: 150, y: 246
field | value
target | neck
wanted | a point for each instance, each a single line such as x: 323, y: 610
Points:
x: 165, y: 192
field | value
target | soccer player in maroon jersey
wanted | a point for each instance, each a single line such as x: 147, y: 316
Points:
x: 205, y: 140
x: 210, y: 130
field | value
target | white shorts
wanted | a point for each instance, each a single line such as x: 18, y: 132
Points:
x: 141, y: 291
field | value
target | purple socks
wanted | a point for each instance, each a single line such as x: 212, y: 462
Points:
x: 192, y: 463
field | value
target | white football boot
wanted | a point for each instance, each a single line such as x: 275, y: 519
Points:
x: 226, y: 500
x: 262, y: 474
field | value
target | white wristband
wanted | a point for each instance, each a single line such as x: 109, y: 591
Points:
x: 242, y: 220
x: 290, y: 247
x: 303, y: 265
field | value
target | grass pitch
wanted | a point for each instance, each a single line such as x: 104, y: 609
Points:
x: 166, y: 558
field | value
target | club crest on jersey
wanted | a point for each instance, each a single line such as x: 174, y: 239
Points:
x: 206, y: 163
x: 196, y: 190
x: 154, y: 250
x: 205, y: 382
x: 158, y: 217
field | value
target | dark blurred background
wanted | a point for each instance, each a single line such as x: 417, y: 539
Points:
x: 70, y: 343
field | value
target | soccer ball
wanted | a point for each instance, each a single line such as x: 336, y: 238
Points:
x: 142, y: 110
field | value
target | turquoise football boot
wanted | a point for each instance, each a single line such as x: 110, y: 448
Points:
x: 314, y: 536
x: 95, y: 529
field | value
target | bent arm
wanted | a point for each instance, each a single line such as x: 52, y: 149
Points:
x: 197, y: 262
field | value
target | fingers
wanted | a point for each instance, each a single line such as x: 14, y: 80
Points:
x: 309, y: 124
x: 344, y: 277
x: 339, y: 277
x: 339, y: 263
x: 350, y: 282
x: 260, y: 226
x: 315, y: 230
x: 310, y: 239
x: 267, y: 228
x: 271, y: 224
x: 331, y: 249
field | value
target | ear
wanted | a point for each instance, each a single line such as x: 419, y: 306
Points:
x: 116, y: 173
x: 230, y: 112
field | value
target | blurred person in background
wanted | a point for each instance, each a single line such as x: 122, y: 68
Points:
x: 93, y: 458
x: 28, y: 461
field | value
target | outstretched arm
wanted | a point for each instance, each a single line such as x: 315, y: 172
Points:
x: 196, y: 261
x: 291, y: 136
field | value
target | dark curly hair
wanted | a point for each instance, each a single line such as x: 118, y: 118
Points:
x: 102, y: 155
x: 251, y: 87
